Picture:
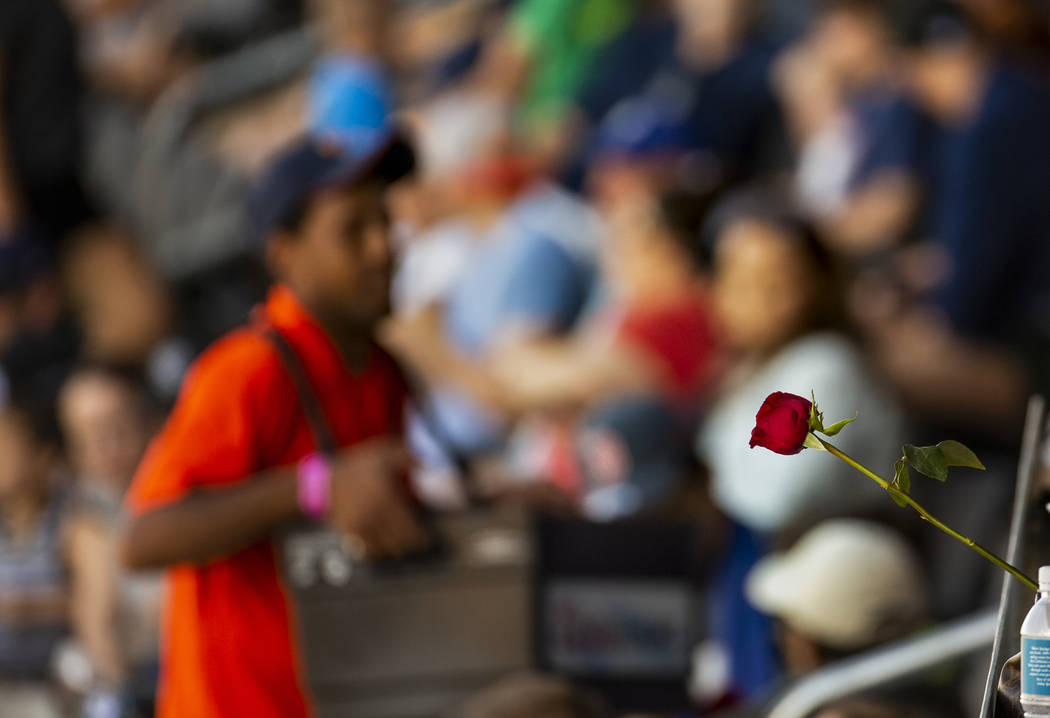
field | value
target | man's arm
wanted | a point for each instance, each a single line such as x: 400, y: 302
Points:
x: 543, y: 374
x: 876, y: 215
x: 366, y: 502
x: 933, y: 370
x: 94, y: 601
x: 420, y: 343
x: 210, y: 522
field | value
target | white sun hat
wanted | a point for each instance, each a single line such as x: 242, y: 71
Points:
x: 846, y: 584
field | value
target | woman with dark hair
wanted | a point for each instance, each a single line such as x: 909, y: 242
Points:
x: 776, y: 299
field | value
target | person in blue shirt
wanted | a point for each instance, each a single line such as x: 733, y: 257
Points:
x: 531, y: 265
x: 983, y: 287
x: 854, y: 38
x: 988, y: 208
x: 708, y: 63
x: 719, y: 76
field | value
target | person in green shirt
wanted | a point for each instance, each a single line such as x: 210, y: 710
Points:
x: 550, y: 47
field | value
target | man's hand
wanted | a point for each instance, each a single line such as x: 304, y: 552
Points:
x: 368, y: 502
x: 933, y: 371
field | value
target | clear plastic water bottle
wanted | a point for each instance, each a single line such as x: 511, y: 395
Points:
x: 1035, y: 652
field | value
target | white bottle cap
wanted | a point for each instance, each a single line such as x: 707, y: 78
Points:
x: 1044, y: 578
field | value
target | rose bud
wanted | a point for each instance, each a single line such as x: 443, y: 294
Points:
x: 782, y: 423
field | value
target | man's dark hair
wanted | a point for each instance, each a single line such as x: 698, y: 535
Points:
x: 684, y: 213
x: 292, y: 220
x: 771, y: 206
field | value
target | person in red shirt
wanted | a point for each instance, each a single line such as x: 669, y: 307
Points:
x: 655, y: 336
x: 239, y: 458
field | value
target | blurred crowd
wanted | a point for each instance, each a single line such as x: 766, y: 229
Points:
x: 631, y: 221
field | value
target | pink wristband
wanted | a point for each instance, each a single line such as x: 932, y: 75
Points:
x: 315, y: 485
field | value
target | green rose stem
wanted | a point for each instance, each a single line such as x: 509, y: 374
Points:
x: 894, y: 491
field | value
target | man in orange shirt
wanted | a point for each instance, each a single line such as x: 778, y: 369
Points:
x: 241, y: 455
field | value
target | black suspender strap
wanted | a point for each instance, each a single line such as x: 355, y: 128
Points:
x: 323, y: 437
x: 322, y: 433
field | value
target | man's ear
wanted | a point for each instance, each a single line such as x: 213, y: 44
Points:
x: 277, y: 252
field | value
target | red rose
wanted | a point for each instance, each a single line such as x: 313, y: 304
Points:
x: 782, y: 423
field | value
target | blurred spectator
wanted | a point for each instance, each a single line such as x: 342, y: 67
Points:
x: 992, y: 168
x: 544, y: 55
x: 532, y: 696
x: 626, y: 64
x: 528, y: 279
x: 33, y: 579
x: 107, y: 425
x: 40, y: 127
x: 622, y: 70
x: 719, y: 79
x: 640, y: 150
x: 707, y: 69
x: 654, y: 337
x: 124, y: 310
x: 861, y: 163
x: 775, y: 294
x: 306, y: 379
x: 984, y: 277
x: 437, y: 237
x: 845, y: 586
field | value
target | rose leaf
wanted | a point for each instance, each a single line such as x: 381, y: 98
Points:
x: 928, y: 460
x: 955, y: 454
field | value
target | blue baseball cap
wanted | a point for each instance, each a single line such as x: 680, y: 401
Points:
x: 641, y: 127
x: 312, y: 164
x: 350, y: 102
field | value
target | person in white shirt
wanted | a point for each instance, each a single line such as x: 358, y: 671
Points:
x: 775, y: 299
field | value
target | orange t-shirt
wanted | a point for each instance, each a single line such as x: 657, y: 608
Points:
x: 228, y: 647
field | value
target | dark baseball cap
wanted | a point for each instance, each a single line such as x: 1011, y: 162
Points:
x: 312, y: 164
x: 633, y: 452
